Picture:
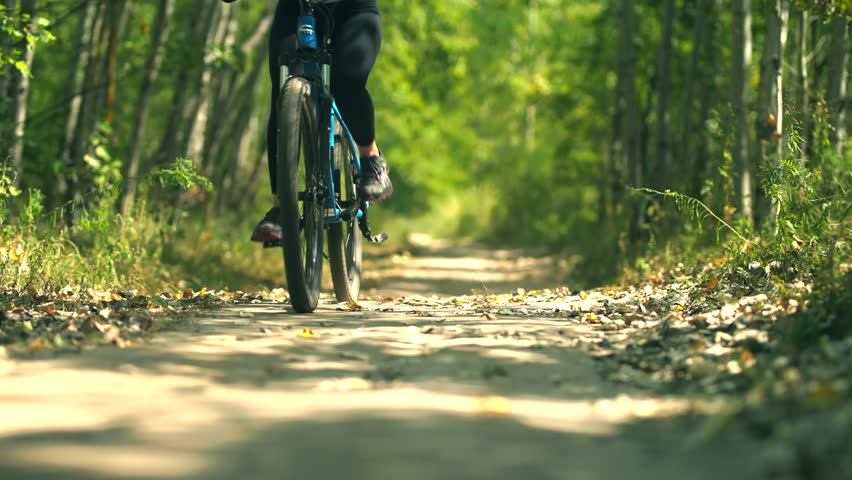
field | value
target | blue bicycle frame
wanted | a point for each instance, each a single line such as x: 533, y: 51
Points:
x: 313, y: 70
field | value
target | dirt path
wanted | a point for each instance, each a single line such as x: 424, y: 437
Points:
x: 415, y: 389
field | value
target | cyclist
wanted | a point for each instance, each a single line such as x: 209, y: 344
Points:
x: 356, y: 40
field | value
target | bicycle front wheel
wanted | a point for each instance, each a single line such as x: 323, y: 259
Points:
x: 344, y: 238
x: 300, y: 188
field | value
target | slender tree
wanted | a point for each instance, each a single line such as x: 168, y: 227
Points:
x: 159, y: 38
x: 21, y: 91
x: 837, y: 59
x: 78, y: 67
x: 662, y: 160
x: 741, y: 50
x: 770, y: 110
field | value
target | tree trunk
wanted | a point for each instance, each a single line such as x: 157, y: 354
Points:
x: 21, y: 91
x: 662, y: 160
x: 696, y: 77
x: 7, y: 72
x: 770, y: 110
x: 838, y: 57
x: 76, y: 76
x: 223, y: 92
x: 741, y: 65
x: 185, y: 91
x: 87, y: 114
x: 234, y: 99
x: 117, y: 15
x: 630, y: 120
x: 804, y: 94
x: 152, y: 70
x: 200, y: 113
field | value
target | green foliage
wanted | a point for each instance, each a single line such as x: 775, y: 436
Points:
x: 696, y: 210
x: 826, y: 8
x: 17, y: 34
x: 181, y: 174
x: 103, y: 168
x: 42, y: 252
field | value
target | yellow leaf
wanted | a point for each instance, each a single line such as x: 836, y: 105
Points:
x: 747, y: 359
x: 591, y: 317
x: 307, y: 333
x: 16, y: 254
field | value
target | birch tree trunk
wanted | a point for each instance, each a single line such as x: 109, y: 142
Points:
x: 741, y: 48
x: 770, y: 110
x: 234, y: 98
x: 662, y: 172
x: 152, y: 70
x: 7, y: 72
x: 21, y: 91
x: 87, y: 114
x: 201, y: 110
x: 185, y: 91
x: 838, y: 57
x: 76, y: 76
x: 804, y: 89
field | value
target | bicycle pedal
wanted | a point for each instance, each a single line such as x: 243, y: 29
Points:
x: 380, y: 238
x: 273, y: 244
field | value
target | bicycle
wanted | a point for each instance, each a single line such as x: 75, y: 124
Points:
x: 318, y: 171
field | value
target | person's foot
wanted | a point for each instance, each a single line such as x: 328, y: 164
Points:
x: 268, y: 230
x: 375, y: 181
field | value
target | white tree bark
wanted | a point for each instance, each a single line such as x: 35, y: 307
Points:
x: 741, y: 49
x: 838, y: 57
x: 22, y: 95
x: 152, y: 70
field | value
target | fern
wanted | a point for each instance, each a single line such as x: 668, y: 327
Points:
x: 695, y: 209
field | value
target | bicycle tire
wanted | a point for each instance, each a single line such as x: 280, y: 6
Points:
x: 344, y: 238
x: 299, y: 174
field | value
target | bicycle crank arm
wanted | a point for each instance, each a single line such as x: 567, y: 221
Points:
x: 364, y: 224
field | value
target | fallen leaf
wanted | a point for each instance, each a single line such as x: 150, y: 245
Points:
x: 306, y: 333
x: 49, y: 308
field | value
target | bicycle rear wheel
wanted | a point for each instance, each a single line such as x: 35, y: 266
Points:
x: 300, y: 188
x: 344, y: 238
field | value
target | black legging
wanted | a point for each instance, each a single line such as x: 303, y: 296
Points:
x: 356, y: 41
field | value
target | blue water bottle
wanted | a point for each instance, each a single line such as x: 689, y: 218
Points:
x: 307, y: 32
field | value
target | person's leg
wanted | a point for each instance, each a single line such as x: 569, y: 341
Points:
x: 283, y: 30
x: 357, y: 40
